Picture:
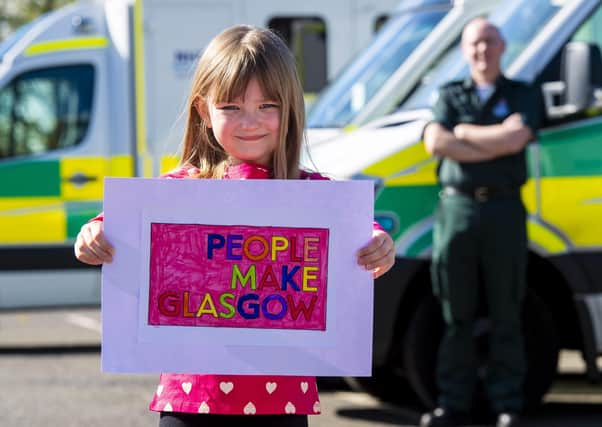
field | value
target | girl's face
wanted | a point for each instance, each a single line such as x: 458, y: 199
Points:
x: 248, y: 127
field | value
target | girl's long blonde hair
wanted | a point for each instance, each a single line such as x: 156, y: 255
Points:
x: 223, y: 72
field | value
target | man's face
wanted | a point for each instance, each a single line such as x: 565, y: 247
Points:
x: 483, y: 47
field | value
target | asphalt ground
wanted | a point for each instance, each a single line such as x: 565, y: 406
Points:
x: 50, y: 376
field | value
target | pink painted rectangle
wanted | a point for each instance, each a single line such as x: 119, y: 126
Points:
x: 238, y: 276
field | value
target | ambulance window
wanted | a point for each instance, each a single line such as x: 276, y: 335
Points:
x: 45, y: 110
x: 306, y: 37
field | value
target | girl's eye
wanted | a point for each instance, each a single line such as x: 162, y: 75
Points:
x: 268, y: 105
x: 227, y: 107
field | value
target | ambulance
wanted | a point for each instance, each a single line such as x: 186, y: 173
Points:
x: 556, y: 45
x: 98, y: 88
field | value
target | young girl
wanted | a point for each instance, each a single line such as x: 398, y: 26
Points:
x: 245, y: 121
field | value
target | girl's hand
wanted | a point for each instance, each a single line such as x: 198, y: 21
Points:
x: 91, y: 246
x: 378, y: 255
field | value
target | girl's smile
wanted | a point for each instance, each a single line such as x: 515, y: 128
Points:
x: 247, y: 127
x: 252, y: 137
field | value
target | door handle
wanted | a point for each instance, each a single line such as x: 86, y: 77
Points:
x: 80, y: 179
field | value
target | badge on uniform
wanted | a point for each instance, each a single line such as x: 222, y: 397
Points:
x: 501, y: 109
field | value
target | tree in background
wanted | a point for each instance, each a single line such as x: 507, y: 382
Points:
x: 15, y: 13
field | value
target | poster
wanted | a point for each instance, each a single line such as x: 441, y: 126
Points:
x: 237, y: 277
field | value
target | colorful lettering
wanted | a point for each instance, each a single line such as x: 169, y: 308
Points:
x: 187, y: 312
x: 171, y: 307
x: 266, y: 311
x: 269, y: 279
x: 288, y: 277
x: 233, y: 242
x: 214, y: 241
x: 301, y: 308
x: 293, y: 256
x: 226, y: 304
x: 279, y: 244
x: 253, y: 306
x: 247, y: 251
x: 307, y: 246
x: 307, y: 276
x: 238, y: 277
x: 207, y: 307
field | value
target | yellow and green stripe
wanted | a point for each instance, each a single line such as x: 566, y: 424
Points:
x: 62, y: 45
x: 40, y: 205
x: 570, y: 187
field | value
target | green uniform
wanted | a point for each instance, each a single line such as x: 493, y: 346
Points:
x: 480, y: 245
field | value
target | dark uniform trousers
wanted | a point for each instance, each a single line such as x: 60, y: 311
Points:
x: 480, y: 243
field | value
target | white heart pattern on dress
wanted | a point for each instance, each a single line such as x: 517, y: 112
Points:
x: 167, y: 408
x: 187, y: 387
x: 226, y: 387
x: 317, y: 407
x: 249, y: 409
x: 204, y: 408
x: 270, y: 387
x: 304, y: 387
x: 159, y: 390
x: 290, y: 408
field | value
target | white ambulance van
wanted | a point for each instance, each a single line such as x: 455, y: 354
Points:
x: 96, y: 88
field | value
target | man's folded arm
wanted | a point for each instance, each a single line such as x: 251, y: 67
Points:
x: 502, y: 139
x: 441, y: 142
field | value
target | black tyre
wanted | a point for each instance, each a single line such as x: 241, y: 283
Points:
x: 420, y: 349
x: 425, y: 329
x: 541, y: 347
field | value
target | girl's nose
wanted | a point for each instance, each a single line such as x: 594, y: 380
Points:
x: 249, y: 120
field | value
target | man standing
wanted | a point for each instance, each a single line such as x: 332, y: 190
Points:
x: 480, y: 128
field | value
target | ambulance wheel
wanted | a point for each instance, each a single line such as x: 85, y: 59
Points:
x: 425, y: 330
x: 541, y: 347
x: 420, y: 349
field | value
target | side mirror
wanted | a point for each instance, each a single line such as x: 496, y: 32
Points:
x: 580, y: 87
